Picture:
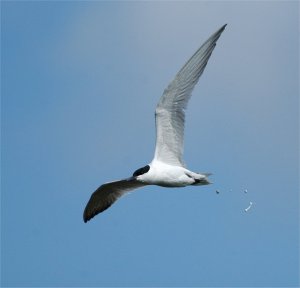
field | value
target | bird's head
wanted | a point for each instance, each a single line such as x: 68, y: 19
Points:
x: 141, y: 171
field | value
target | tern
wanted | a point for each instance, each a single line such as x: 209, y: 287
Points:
x: 167, y: 169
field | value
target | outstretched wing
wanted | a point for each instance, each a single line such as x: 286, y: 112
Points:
x: 170, y: 111
x: 107, y: 194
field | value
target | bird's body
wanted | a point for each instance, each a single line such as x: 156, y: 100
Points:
x: 167, y: 169
x: 167, y: 175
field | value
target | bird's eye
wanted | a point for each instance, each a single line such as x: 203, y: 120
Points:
x: 141, y: 171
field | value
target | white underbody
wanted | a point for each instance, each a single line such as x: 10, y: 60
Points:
x: 167, y: 175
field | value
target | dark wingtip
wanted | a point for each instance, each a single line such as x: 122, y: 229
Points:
x: 223, y: 28
x: 85, y: 217
x: 88, y: 216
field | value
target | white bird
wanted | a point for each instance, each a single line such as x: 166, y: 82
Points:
x: 167, y: 168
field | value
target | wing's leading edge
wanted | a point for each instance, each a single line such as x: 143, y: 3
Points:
x: 170, y: 111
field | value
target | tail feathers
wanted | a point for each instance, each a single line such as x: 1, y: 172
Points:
x: 203, y: 180
x: 206, y: 174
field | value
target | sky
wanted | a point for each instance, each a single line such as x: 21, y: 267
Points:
x: 79, y: 85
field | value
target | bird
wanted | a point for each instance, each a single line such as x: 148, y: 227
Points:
x: 167, y: 169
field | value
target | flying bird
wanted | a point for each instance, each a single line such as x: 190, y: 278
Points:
x: 167, y: 169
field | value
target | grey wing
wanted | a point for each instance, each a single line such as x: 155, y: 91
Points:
x: 170, y: 111
x: 107, y: 194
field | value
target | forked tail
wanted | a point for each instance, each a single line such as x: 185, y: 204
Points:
x: 202, y: 180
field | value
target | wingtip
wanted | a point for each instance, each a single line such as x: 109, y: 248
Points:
x: 85, y: 218
x: 218, y: 33
x: 87, y: 215
x: 223, y: 27
x: 88, y: 218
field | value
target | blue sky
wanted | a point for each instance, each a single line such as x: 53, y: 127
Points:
x: 79, y: 85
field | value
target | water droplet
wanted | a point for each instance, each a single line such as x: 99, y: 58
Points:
x: 249, y: 207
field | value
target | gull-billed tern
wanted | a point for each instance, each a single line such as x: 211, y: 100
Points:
x: 167, y: 168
